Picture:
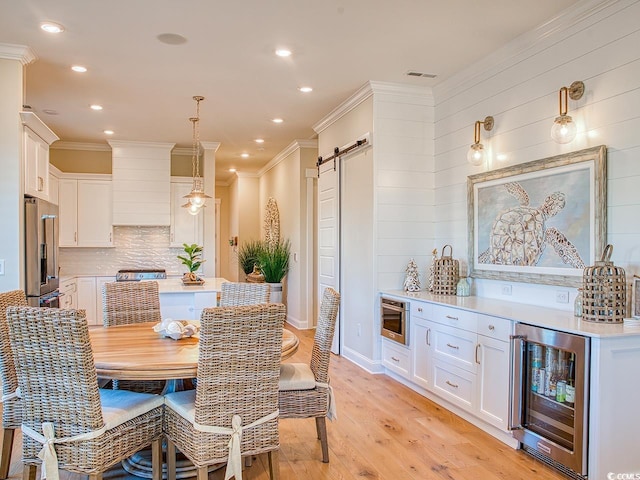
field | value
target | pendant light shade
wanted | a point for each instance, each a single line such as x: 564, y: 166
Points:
x: 196, y: 198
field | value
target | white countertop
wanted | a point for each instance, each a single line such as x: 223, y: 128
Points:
x: 175, y: 285
x: 561, y: 320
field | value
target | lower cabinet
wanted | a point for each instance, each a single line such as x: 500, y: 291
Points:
x: 186, y: 306
x: 68, y: 293
x: 90, y: 297
x: 458, y: 355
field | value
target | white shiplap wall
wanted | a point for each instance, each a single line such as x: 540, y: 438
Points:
x: 596, y: 42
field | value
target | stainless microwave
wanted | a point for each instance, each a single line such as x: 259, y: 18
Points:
x: 394, y: 320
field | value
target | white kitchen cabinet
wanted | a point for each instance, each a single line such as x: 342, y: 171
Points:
x: 422, y: 353
x: 493, y: 381
x: 68, y: 293
x: 100, y: 281
x: 36, y: 140
x: 85, y: 213
x: 186, y: 306
x: 54, y: 187
x: 396, y: 358
x: 185, y: 228
x: 87, y: 298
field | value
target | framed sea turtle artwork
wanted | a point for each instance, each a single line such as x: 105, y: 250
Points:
x: 539, y: 222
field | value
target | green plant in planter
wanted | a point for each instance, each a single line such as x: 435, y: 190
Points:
x: 274, y: 261
x: 248, y: 255
x: 193, y: 258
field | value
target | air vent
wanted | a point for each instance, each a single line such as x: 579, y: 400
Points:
x: 413, y: 73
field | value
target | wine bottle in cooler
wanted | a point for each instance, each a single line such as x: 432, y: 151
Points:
x: 570, y: 394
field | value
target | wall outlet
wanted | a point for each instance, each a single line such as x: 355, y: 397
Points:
x: 359, y: 330
x: 562, y: 296
x: 2, y: 267
x: 506, y: 289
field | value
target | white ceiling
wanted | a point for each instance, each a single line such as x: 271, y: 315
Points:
x: 146, y: 86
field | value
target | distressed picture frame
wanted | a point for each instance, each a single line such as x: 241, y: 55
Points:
x: 539, y: 222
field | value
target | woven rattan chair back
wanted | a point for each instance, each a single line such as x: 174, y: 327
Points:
x: 238, y: 294
x: 58, y: 384
x: 325, y: 330
x: 124, y: 303
x: 130, y: 302
x: 238, y: 373
x: 11, y: 408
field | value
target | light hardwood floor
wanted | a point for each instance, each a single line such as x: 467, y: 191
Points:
x: 384, y: 431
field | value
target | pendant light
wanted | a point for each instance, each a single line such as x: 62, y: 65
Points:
x: 196, y: 198
x: 476, y: 154
x: 564, y: 128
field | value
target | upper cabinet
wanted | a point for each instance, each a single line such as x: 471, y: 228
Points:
x: 185, y: 228
x: 36, y: 140
x: 85, y: 213
x: 141, y: 173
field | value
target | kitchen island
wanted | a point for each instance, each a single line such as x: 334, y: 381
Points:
x: 186, y: 302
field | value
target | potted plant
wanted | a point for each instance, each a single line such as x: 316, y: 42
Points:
x: 193, y: 261
x: 248, y: 255
x: 274, y: 265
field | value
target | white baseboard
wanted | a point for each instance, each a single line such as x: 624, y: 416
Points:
x: 371, y: 366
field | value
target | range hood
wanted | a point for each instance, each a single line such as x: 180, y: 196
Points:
x: 141, y: 177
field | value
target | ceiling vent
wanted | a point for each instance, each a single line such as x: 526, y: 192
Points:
x: 413, y: 73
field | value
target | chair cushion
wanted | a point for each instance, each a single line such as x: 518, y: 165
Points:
x: 183, y: 403
x: 296, y: 376
x: 120, y: 406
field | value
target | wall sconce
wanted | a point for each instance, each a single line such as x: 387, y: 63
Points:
x: 564, y: 128
x: 476, y: 154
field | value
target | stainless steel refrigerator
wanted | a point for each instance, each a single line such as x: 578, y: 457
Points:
x: 41, y: 252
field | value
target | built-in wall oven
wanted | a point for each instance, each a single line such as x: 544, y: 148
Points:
x: 549, y: 396
x: 394, y: 319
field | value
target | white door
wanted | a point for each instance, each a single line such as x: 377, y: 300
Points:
x: 329, y: 235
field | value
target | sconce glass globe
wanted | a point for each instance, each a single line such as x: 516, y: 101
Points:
x: 563, y: 129
x: 476, y: 154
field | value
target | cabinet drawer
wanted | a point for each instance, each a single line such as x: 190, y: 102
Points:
x: 421, y: 310
x: 494, y: 327
x: 455, y: 317
x: 396, y: 358
x: 454, y: 384
x: 455, y: 346
x: 68, y: 286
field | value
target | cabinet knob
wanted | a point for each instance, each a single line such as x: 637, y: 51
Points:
x: 455, y: 347
x: 420, y: 309
x: 395, y: 359
x: 40, y: 184
x: 492, y: 328
x: 451, y: 317
x: 451, y: 384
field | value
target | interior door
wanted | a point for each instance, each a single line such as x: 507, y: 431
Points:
x: 329, y: 235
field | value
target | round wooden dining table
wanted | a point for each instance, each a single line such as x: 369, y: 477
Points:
x: 136, y: 352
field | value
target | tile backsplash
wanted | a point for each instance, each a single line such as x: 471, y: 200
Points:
x: 134, y: 247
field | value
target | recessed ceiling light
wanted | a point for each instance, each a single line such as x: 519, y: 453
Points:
x: 244, y: 155
x: 108, y: 132
x: 277, y: 120
x: 96, y: 107
x: 306, y: 89
x: 50, y: 112
x: 171, y: 39
x: 283, y: 52
x: 51, y: 27
x: 79, y: 68
x: 232, y: 170
x: 259, y: 140
x: 501, y: 157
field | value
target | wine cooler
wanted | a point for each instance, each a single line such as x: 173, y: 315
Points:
x: 549, y: 396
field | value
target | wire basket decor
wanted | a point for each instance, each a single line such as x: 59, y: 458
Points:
x: 446, y: 273
x: 604, y: 291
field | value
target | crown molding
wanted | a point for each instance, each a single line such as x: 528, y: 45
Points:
x: 523, y: 46
x: 92, y: 147
x: 32, y: 121
x: 247, y: 175
x: 210, y: 145
x: 292, y: 147
x: 372, y: 88
x: 21, y: 53
x: 182, y: 151
x: 345, y: 107
x: 133, y: 144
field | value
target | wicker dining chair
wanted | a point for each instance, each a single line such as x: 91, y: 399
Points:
x: 235, y: 294
x: 124, y: 303
x: 67, y: 419
x: 233, y: 412
x: 304, y: 388
x: 11, y: 403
